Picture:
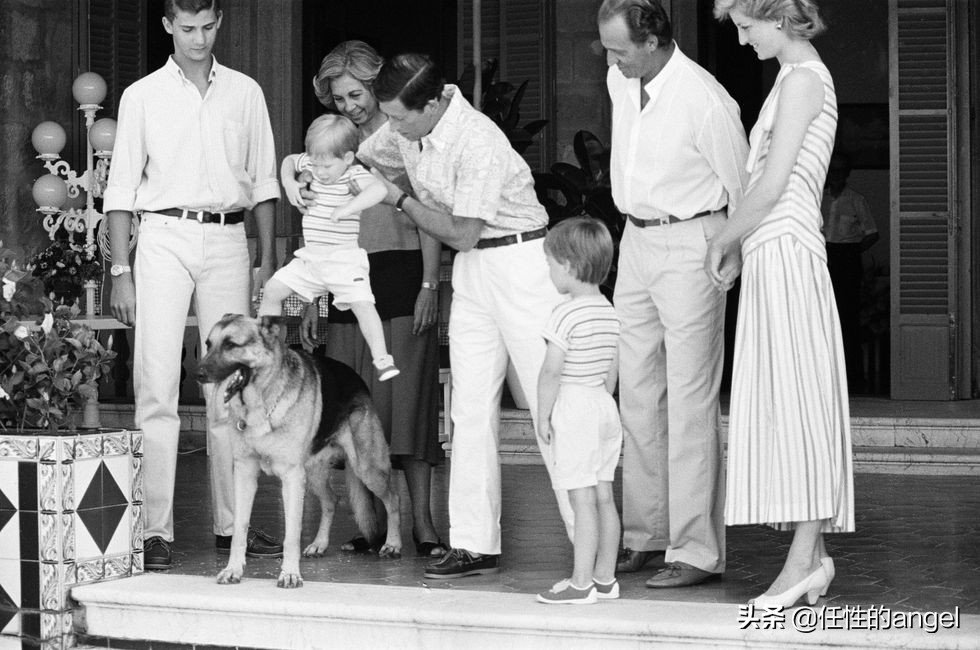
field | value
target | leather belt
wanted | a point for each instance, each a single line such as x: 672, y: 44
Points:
x: 203, y: 216
x: 663, y: 221
x: 507, y: 240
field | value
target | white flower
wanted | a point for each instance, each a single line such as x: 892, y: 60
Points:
x: 21, y: 332
x: 47, y: 323
x: 9, y: 288
x: 4, y: 394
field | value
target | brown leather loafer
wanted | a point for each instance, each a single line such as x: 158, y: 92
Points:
x: 631, y: 561
x: 680, y: 574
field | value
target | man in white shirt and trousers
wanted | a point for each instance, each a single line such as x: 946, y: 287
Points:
x: 677, y: 165
x: 193, y: 150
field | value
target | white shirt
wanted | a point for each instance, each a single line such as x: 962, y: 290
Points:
x: 466, y: 167
x: 684, y: 152
x: 177, y: 149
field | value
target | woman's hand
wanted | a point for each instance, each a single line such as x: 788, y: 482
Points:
x: 308, y: 327
x: 722, y: 266
x: 426, y: 311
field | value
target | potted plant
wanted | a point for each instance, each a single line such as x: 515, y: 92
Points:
x: 64, y: 267
x: 74, y: 504
x: 49, y: 369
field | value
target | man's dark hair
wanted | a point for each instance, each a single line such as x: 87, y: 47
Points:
x: 170, y: 7
x: 643, y: 18
x: 411, y: 78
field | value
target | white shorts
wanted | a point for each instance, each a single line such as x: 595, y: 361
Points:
x: 342, y: 271
x: 587, y: 437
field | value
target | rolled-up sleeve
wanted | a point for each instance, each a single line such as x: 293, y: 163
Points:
x: 722, y: 143
x: 128, y: 155
x: 261, y: 161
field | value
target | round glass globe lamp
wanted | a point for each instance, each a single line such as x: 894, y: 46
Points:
x: 48, y: 139
x: 50, y: 192
x: 89, y: 88
x: 103, y: 134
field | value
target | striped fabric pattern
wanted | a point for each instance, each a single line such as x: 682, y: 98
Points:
x: 318, y: 228
x: 587, y: 329
x: 789, y: 440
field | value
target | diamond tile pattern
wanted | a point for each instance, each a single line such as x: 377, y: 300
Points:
x: 49, y: 541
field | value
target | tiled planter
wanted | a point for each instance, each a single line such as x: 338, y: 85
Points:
x: 71, y: 513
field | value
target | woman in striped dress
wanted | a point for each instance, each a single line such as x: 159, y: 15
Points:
x: 789, y: 461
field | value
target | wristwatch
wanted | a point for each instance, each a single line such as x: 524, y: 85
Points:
x: 118, y: 269
x: 431, y: 286
x: 401, y: 201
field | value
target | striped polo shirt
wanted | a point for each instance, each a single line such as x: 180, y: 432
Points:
x: 318, y: 228
x: 587, y: 329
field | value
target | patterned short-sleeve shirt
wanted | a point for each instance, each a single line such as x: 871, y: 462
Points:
x: 318, y: 227
x: 587, y: 329
x: 465, y: 167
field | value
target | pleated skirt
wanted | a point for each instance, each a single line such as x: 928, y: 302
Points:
x: 789, y: 440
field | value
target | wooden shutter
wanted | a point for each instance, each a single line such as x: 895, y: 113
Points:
x: 519, y: 34
x: 116, y: 46
x: 923, y: 199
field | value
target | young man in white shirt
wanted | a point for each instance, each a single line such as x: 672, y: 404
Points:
x: 677, y: 164
x: 193, y: 150
x: 476, y: 194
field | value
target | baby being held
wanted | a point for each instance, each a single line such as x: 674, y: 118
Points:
x: 331, y: 260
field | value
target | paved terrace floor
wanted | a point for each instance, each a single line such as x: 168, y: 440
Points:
x: 916, y: 545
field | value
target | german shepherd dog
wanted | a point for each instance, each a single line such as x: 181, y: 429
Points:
x: 296, y: 416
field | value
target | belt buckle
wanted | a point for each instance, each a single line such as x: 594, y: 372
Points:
x: 200, y: 216
x: 662, y: 220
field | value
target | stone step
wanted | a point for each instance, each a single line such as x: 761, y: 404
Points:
x: 194, y: 610
x: 900, y: 444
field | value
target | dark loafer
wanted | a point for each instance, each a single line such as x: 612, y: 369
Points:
x: 156, y: 554
x: 631, y: 561
x: 459, y: 562
x: 258, y: 544
x: 680, y: 574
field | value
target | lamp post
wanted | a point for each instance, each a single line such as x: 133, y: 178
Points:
x: 51, y: 192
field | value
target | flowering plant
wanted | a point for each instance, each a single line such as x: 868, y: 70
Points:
x: 48, y: 368
x: 64, y: 267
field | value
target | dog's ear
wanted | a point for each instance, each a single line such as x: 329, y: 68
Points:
x: 272, y: 326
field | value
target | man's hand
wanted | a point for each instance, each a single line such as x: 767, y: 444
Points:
x: 123, y: 299
x: 308, y: 327
x: 426, y: 311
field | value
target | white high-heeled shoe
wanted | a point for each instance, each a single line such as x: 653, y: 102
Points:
x: 828, y: 565
x: 810, y: 586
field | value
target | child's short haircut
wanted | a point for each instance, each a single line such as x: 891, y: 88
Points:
x: 585, y: 244
x: 332, y: 133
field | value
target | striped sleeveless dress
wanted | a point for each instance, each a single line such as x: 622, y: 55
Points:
x: 789, y: 440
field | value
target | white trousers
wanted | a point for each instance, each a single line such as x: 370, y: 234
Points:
x: 671, y: 355
x: 502, y: 298
x: 175, y: 260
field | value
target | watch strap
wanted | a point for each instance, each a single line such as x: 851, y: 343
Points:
x: 401, y: 201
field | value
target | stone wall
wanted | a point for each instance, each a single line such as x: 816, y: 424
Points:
x: 37, y: 67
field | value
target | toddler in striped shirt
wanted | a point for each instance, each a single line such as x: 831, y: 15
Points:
x: 577, y: 415
x: 331, y: 261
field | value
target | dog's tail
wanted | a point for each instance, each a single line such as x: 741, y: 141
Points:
x: 362, y: 504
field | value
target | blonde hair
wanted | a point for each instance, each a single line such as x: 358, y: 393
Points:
x: 800, y: 17
x: 354, y: 58
x: 585, y: 244
x: 333, y: 133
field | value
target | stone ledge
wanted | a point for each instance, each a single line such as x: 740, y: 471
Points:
x: 196, y: 610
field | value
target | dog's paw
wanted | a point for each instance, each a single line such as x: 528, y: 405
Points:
x: 230, y: 575
x: 289, y: 580
x: 390, y: 551
x: 315, y: 549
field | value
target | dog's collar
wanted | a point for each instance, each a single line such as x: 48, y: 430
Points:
x: 241, y: 425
